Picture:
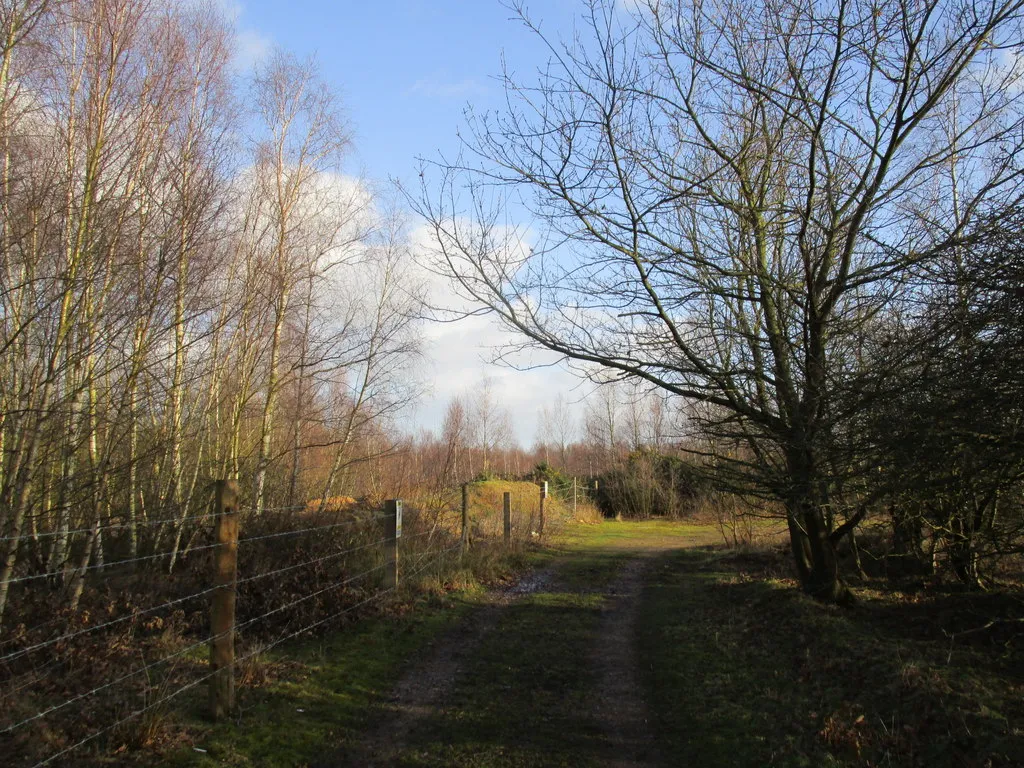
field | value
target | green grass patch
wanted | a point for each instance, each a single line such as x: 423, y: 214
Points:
x: 524, y: 699
x: 744, y: 670
x: 322, y: 690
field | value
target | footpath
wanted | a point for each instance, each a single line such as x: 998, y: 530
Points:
x: 544, y: 673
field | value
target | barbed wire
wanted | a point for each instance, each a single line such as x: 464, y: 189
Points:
x: 376, y: 596
x: 204, y: 678
x: 331, y: 556
x: 182, y: 651
x: 310, y: 596
x: 145, y: 558
x: 286, y: 508
x: 420, y: 564
x: 116, y: 681
x: 109, y: 527
x: 134, y: 614
x: 439, y: 552
x: 114, y: 564
x: 125, y: 719
x: 97, y: 627
x: 311, y: 529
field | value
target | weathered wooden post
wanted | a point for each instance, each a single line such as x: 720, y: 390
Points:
x: 543, y: 495
x: 222, y: 608
x: 465, y: 517
x: 507, y: 509
x: 574, y: 497
x: 392, y: 533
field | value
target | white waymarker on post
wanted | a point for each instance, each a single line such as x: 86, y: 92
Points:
x: 543, y: 495
x: 392, y: 533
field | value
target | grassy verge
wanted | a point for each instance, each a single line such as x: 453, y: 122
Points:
x: 323, y: 690
x: 744, y: 670
x: 524, y: 699
x: 301, y: 698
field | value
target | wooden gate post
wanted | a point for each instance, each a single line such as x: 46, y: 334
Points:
x: 465, y: 517
x: 507, y: 510
x: 222, y: 608
x: 392, y: 533
x: 543, y: 495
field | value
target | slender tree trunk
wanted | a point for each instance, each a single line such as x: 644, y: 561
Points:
x: 269, y: 404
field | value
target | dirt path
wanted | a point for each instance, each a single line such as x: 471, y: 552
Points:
x: 546, y: 673
x: 423, y: 689
x: 619, y: 705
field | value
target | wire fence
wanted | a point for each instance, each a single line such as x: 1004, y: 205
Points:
x: 73, y: 674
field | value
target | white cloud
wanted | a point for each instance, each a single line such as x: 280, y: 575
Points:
x: 251, y: 48
x: 232, y: 9
x: 461, y: 354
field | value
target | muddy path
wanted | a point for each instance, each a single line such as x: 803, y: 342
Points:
x: 619, y: 704
x: 544, y: 673
x: 424, y: 687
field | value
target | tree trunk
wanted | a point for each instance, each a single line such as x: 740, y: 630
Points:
x: 817, y: 564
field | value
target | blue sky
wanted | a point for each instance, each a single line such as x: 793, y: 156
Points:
x: 405, y: 71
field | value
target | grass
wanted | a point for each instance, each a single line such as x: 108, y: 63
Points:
x: 739, y: 667
x: 762, y: 675
x: 323, y: 690
x: 521, y: 700
x: 524, y: 700
x: 307, y: 695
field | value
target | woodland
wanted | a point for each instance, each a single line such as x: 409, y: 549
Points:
x: 782, y: 246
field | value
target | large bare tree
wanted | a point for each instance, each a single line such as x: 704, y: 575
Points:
x: 721, y: 192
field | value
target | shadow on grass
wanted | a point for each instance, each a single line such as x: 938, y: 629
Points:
x: 523, y: 699
x: 744, y: 670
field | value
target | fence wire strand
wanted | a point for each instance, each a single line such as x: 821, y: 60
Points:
x: 421, y: 563
x: 114, y: 564
x: 97, y: 627
x: 280, y: 534
x: 109, y: 527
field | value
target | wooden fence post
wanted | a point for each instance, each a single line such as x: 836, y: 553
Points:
x: 465, y: 517
x: 574, y: 497
x: 543, y: 495
x: 507, y: 509
x: 392, y: 532
x: 222, y: 609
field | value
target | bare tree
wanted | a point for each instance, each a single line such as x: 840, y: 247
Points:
x: 561, y: 428
x: 724, y: 191
x: 305, y: 137
x: 454, y: 434
x: 490, y: 422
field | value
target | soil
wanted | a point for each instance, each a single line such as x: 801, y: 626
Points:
x: 618, y: 704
